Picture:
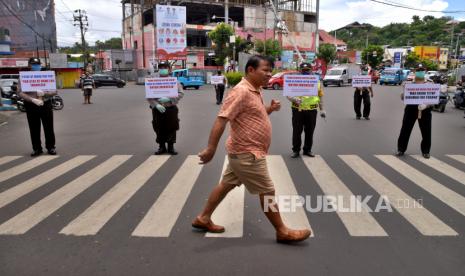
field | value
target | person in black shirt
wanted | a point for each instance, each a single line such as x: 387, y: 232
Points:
x: 363, y: 94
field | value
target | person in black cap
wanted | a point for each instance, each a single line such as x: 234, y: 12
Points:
x: 39, y: 110
x: 165, y: 119
x: 412, y: 113
x: 304, y: 114
x: 363, y: 94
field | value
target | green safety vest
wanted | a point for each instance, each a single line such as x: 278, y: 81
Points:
x: 308, y: 102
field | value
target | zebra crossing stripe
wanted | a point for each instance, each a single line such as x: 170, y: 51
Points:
x: 446, y: 195
x: 21, y: 168
x: 285, y: 186
x: 30, y: 217
x: 161, y: 217
x: 101, y: 211
x: 230, y: 213
x: 460, y: 158
x: 423, y: 220
x: 357, y: 223
x: 443, y: 168
x: 6, y: 159
x: 38, y: 181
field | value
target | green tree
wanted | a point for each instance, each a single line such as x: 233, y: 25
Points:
x: 112, y: 43
x: 270, y: 48
x: 327, y: 52
x: 242, y: 45
x: 220, y: 37
x: 411, y: 60
x: 429, y: 65
x: 373, y: 55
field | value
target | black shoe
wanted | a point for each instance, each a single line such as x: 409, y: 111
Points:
x: 426, y: 155
x: 36, y: 153
x: 367, y: 118
x: 358, y: 117
x: 295, y: 154
x: 171, y: 150
x: 309, y: 153
x: 52, y: 151
x: 161, y: 150
x: 400, y: 153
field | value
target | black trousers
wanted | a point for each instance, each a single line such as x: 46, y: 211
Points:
x: 304, y: 120
x: 410, y: 117
x: 165, y: 124
x: 35, y: 115
x: 365, y: 97
x: 219, y: 93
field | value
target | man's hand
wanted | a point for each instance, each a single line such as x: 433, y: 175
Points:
x: 371, y: 95
x: 40, y: 93
x: 323, y: 114
x: 37, y: 102
x: 206, y: 155
x: 275, y: 105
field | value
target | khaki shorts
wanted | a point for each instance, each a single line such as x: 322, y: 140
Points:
x: 248, y: 170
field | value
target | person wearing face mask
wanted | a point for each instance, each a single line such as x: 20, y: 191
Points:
x: 39, y: 110
x: 412, y: 113
x: 363, y: 94
x: 165, y: 119
x: 304, y: 114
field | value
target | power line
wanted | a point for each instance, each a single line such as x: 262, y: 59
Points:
x: 66, y: 6
x: 398, y: 5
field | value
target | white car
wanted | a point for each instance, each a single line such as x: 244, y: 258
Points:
x: 429, y: 74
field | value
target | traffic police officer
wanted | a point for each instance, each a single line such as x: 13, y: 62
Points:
x: 165, y: 119
x: 363, y: 94
x: 412, y: 113
x: 304, y: 114
x: 39, y: 110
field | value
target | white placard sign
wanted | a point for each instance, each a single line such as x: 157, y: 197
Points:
x: 361, y: 81
x: 217, y: 79
x: 33, y: 81
x: 424, y: 93
x: 300, y: 85
x: 161, y: 87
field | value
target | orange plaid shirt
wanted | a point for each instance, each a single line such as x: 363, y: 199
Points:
x: 250, y: 130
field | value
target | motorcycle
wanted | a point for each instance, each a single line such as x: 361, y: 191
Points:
x: 444, y: 97
x: 57, y: 101
x: 459, y: 97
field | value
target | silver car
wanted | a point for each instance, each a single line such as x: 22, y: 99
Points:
x: 5, y: 87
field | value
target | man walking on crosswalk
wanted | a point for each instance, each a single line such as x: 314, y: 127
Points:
x: 247, y: 147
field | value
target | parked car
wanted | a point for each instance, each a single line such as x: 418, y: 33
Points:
x: 341, y: 74
x: 5, y: 87
x: 107, y: 80
x: 277, y: 80
x: 9, y: 76
x: 188, y: 78
x: 430, y: 74
x: 411, y: 76
x: 393, y: 76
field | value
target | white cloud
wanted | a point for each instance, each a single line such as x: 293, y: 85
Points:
x: 102, y: 15
x: 335, y: 14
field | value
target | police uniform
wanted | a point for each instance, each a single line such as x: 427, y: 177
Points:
x: 304, y: 117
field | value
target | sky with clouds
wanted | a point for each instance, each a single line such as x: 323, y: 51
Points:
x: 105, y: 15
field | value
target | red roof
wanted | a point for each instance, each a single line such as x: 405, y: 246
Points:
x: 329, y: 39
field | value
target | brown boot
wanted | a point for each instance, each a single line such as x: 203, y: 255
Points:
x: 208, y: 226
x: 293, y: 235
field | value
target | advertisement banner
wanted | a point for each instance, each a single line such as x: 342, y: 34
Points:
x: 33, y: 81
x: 171, y: 32
x: 300, y: 85
x: 424, y: 93
x: 161, y: 87
x: 361, y: 81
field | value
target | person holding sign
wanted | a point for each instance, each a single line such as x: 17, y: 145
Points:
x: 165, y: 119
x: 38, y: 106
x: 304, y: 115
x: 363, y: 92
x: 247, y: 147
x: 220, y: 82
x: 412, y: 113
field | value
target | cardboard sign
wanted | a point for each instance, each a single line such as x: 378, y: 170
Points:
x: 33, y: 81
x: 161, y: 87
x: 217, y: 79
x: 424, y: 93
x: 300, y: 85
x: 361, y: 81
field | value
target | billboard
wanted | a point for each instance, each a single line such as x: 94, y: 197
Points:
x: 171, y: 32
x: 427, y: 52
x: 37, y: 13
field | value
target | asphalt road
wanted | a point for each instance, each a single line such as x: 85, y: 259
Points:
x: 104, y: 210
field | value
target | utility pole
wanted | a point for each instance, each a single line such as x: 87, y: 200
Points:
x: 45, y: 53
x: 142, y: 4
x: 317, y: 34
x: 80, y: 17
